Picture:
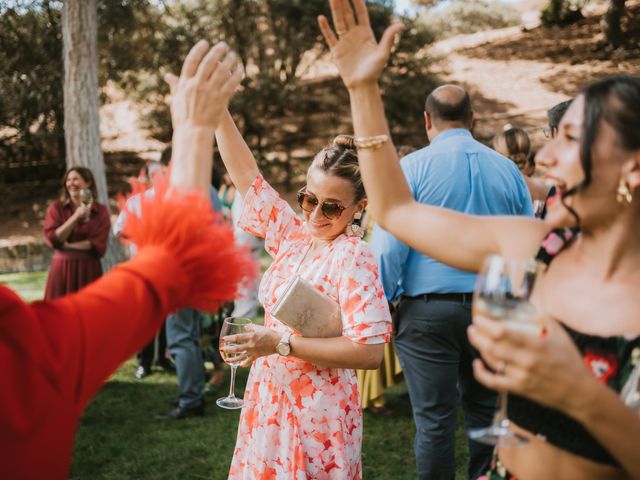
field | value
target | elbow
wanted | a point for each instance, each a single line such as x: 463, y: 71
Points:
x: 373, y: 360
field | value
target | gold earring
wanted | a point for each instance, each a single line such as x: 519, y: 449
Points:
x: 354, y: 229
x: 623, y: 194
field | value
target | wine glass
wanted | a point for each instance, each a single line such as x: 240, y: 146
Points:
x: 86, y: 198
x: 231, y: 326
x: 538, y: 208
x: 502, y: 294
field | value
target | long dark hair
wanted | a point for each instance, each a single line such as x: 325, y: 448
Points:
x: 86, y: 175
x: 615, y: 100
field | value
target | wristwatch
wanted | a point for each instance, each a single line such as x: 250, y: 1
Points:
x: 284, y: 347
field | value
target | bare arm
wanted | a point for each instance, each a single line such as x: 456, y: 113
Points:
x: 614, y: 424
x: 235, y: 154
x: 456, y: 239
x: 337, y: 352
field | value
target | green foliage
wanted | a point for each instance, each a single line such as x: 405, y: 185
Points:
x: 562, y: 12
x: 470, y: 16
x: 290, y: 104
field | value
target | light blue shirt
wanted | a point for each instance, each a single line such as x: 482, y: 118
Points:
x: 459, y: 173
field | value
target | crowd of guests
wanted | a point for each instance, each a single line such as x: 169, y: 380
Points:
x: 439, y: 212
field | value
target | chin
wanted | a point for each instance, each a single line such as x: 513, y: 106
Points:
x: 559, y: 217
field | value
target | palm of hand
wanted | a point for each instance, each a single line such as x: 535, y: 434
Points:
x: 358, y: 57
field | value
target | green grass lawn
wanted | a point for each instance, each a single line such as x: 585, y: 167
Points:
x: 120, y: 438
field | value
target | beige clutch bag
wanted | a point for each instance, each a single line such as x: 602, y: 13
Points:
x: 307, y: 310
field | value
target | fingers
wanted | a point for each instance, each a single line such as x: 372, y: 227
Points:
x: 488, y: 379
x: 211, y: 60
x: 172, y: 81
x: 362, y: 14
x: 235, y: 80
x: 239, y: 338
x: 389, y: 37
x: 349, y: 20
x: 337, y: 14
x: 224, y: 69
x: 327, y: 33
x: 194, y: 57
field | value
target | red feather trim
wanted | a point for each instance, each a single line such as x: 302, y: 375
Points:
x: 203, y: 244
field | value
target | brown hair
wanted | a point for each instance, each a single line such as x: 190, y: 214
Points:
x: 341, y: 159
x: 514, y: 143
x: 86, y: 175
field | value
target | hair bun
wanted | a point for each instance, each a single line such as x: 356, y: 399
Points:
x: 345, y: 141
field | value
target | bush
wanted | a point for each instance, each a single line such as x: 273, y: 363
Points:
x: 469, y: 16
x: 562, y: 12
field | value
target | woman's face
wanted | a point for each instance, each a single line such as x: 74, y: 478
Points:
x: 326, y: 187
x: 560, y: 159
x: 74, y: 183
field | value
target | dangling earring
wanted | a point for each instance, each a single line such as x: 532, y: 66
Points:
x: 354, y: 229
x: 623, y: 194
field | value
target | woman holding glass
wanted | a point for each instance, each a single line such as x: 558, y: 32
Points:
x: 566, y: 381
x: 301, y: 416
x: 76, y: 227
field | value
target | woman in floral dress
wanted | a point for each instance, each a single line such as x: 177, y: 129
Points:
x: 301, y: 417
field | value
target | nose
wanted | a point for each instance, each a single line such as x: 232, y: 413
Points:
x: 545, y: 158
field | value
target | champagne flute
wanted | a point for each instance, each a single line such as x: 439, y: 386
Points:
x: 502, y: 294
x: 86, y: 198
x: 232, y: 326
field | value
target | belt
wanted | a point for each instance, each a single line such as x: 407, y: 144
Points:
x: 443, y: 297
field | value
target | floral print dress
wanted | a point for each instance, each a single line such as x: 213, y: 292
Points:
x: 302, y: 421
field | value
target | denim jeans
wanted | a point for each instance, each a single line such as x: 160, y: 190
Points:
x: 436, y: 357
x: 183, y: 338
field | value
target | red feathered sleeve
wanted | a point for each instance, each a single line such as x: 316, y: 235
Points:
x: 185, y: 259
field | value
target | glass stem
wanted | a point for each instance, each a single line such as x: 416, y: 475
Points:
x: 501, y: 415
x: 232, y: 384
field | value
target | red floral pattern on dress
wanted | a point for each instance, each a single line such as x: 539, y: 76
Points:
x: 602, y: 365
x: 301, y: 421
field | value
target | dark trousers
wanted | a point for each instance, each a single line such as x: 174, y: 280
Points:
x: 436, y: 357
x: 146, y: 355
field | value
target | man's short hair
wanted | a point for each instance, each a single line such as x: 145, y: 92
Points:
x: 555, y: 114
x: 459, y: 112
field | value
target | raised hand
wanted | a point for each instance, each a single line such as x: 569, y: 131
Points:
x: 358, y: 57
x: 208, y: 79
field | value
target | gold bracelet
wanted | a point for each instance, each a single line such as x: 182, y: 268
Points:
x: 370, y: 143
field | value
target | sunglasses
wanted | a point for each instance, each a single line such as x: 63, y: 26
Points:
x: 308, y: 203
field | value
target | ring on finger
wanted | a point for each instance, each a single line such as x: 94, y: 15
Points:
x: 341, y: 32
x: 502, y: 366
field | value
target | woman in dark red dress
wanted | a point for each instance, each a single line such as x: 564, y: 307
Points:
x: 78, y: 234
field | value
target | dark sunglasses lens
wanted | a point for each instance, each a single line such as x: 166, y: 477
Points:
x: 307, y: 202
x: 331, y: 210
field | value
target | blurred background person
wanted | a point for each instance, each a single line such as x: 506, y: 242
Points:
x: 76, y: 226
x: 514, y: 144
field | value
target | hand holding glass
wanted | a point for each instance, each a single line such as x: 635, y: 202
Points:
x: 502, y: 294
x: 231, y: 326
x: 86, y: 198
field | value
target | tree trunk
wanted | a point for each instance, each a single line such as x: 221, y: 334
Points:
x: 81, y: 100
x: 611, y: 23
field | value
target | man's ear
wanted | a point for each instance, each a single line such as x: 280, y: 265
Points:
x: 427, y: 121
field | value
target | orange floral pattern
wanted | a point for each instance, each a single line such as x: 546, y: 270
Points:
x: 302, y: 421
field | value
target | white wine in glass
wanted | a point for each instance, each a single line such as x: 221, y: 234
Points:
x: 232, y: 326
x: 502, y: 294
x: 86, y: 198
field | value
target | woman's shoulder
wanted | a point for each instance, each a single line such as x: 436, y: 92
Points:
x: 353, y: 248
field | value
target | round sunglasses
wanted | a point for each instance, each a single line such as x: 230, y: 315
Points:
x: 308, y: 203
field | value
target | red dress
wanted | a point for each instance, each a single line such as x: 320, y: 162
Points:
x: 71, y: 270
x: 55, y: 355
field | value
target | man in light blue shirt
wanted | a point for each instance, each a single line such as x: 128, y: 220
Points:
x: 454, y: 171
